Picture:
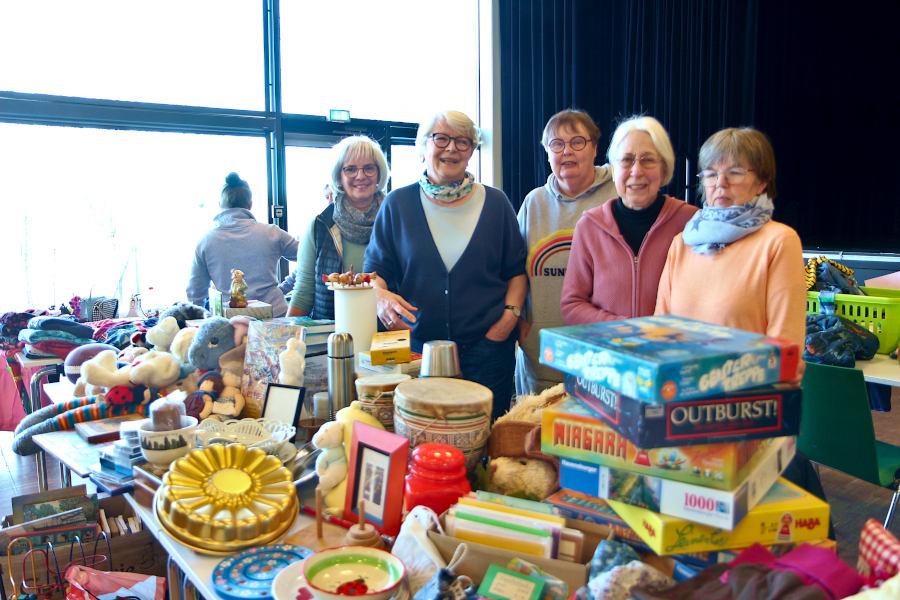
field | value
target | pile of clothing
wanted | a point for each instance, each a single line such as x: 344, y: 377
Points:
x: 54, y: 337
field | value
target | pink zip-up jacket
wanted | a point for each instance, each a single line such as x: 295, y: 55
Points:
x: 604, y: 280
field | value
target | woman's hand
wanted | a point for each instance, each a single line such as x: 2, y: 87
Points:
x: 393, y: 308
x: 499, y: 331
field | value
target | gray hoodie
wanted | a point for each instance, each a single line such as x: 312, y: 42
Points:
x: 547, y: 221
x: 238, y: 241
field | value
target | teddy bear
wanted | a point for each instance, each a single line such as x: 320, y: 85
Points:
x: 331, y: 464
x: 162, y: 334
x: 292, y: 362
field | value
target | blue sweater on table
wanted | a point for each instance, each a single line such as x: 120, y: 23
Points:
x: 460, y: 305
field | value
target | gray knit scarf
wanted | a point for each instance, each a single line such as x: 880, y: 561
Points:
x: 355, y: 225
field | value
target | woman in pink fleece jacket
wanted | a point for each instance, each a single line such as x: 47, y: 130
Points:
x: 619, y: 248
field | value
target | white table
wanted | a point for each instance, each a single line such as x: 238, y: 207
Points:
x: 881, y: 369
x: 196, y: 567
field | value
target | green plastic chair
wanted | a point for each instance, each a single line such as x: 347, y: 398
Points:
x: 836, y: 429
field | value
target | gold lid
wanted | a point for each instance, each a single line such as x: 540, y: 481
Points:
x: 224, y: 498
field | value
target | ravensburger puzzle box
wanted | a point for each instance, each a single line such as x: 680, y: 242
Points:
x: 665, y: 358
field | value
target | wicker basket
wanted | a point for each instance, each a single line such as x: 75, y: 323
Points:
x: 266, y: 434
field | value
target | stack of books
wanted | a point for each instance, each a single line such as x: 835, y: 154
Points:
x: 118, y: 460
x: 317, y: 332
x: 676, y: 432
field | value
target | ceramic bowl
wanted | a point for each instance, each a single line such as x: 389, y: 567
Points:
x: 160, y: 448
x: 368, y: 573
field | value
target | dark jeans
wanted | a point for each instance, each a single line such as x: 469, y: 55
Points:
x: 493, y: 365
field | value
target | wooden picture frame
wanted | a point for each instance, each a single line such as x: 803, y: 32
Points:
x: 282, y: 402
x: 376, y: 474
x: 42, y: 504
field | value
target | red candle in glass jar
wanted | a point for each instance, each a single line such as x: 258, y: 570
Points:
x: 436, y: 477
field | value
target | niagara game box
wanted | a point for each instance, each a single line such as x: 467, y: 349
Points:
x: 700, y: 504
x: 761, y: 412
x: 664, y: 358
x: 569, y: 430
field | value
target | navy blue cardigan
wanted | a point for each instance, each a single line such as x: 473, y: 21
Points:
x: 460, y: 305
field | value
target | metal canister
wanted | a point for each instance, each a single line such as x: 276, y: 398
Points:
x: 341, y: 372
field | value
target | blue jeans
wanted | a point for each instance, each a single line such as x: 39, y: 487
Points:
x: 493, y: 365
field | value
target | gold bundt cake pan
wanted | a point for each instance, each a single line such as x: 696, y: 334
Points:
x: 219, y: 496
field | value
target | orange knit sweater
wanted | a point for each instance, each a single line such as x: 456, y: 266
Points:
x: 755, y: 284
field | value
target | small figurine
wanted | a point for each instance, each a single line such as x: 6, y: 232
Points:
x: 238, y: 287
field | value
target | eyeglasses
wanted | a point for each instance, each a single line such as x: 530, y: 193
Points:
x: 578, y: 142
x: 647, y: 161
x: 442, y: 140
x: 368, y: 170
x: 734, y: 176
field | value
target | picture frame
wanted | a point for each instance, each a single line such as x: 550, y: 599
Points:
x: 282, y: 402
x: 376, y: 474
x: 42, y: 504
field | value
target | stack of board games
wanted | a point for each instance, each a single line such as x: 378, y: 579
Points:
x: 679, y: 425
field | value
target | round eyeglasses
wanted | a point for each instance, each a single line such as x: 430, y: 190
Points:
x: 578, y: 142
x: 368, y: 170
x: 734, y: 176
x: 442, y: 140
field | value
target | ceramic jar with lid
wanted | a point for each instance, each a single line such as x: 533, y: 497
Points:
x: 436, y: 477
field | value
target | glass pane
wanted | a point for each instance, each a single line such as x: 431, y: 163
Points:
x: 400, y: 63
x: 406, y: 166
x: 202, y: 52
x: 111, y: 213
x: 307, y: 171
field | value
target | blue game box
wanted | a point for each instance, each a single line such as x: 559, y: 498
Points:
x: 665, y: 358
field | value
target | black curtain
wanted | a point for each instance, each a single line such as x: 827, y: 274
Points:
x: 689, y: 63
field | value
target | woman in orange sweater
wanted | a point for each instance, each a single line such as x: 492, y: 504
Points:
x: 733, y: 265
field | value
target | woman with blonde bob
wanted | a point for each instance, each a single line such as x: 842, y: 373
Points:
x: 450, y: 259
x: 339, y: 235
x: 619, y: 248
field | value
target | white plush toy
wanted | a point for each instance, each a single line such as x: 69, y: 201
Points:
x: 162, y: 334
x: 331, y: 464
x: 291, y: 362
x: 181, y: 343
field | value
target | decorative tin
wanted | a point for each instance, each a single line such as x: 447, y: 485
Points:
x: 249, y: 574
x: 221, y: 499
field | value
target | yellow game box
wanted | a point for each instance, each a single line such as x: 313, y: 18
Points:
x: 390, y: 347
x: 787, y: 514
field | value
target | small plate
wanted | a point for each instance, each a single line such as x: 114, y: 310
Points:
x: 290, y: 584
x: 249, y: 574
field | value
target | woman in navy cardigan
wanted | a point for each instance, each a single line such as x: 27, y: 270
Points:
x: 451, y: 260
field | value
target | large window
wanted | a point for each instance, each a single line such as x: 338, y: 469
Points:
x: 201, y: 52
x: 400, y: 60
x: 110, y: 213
x: 120, y: 120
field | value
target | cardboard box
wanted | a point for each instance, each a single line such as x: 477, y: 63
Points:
x: 756, y: 413
x: 405, y: 368
x: 717, y: 508
x: 665, y: 358
x: 569, y: 430
x: 786, y: 514
x: 390, y: 347
x: 479, y: 557
x: 136, y: 553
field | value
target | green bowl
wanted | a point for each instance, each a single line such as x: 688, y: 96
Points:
x: 340, y: 573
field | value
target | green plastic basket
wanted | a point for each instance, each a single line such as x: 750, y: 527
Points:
x: 879, y: 312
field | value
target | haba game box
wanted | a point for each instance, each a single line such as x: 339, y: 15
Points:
x: 761, y: 412
x: 666, y: 358
x: 569, y: 430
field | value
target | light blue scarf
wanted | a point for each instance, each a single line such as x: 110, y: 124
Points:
x: 447, y: 193
x: 711, y: 229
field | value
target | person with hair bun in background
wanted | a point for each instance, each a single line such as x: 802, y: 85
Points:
x: 239, y: 241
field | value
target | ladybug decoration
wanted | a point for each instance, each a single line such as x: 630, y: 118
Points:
x: 357, y: 587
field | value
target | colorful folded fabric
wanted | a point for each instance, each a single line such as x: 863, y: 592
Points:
x: 31, y: 336
x: 879, y: 552
x: 66, y: 323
